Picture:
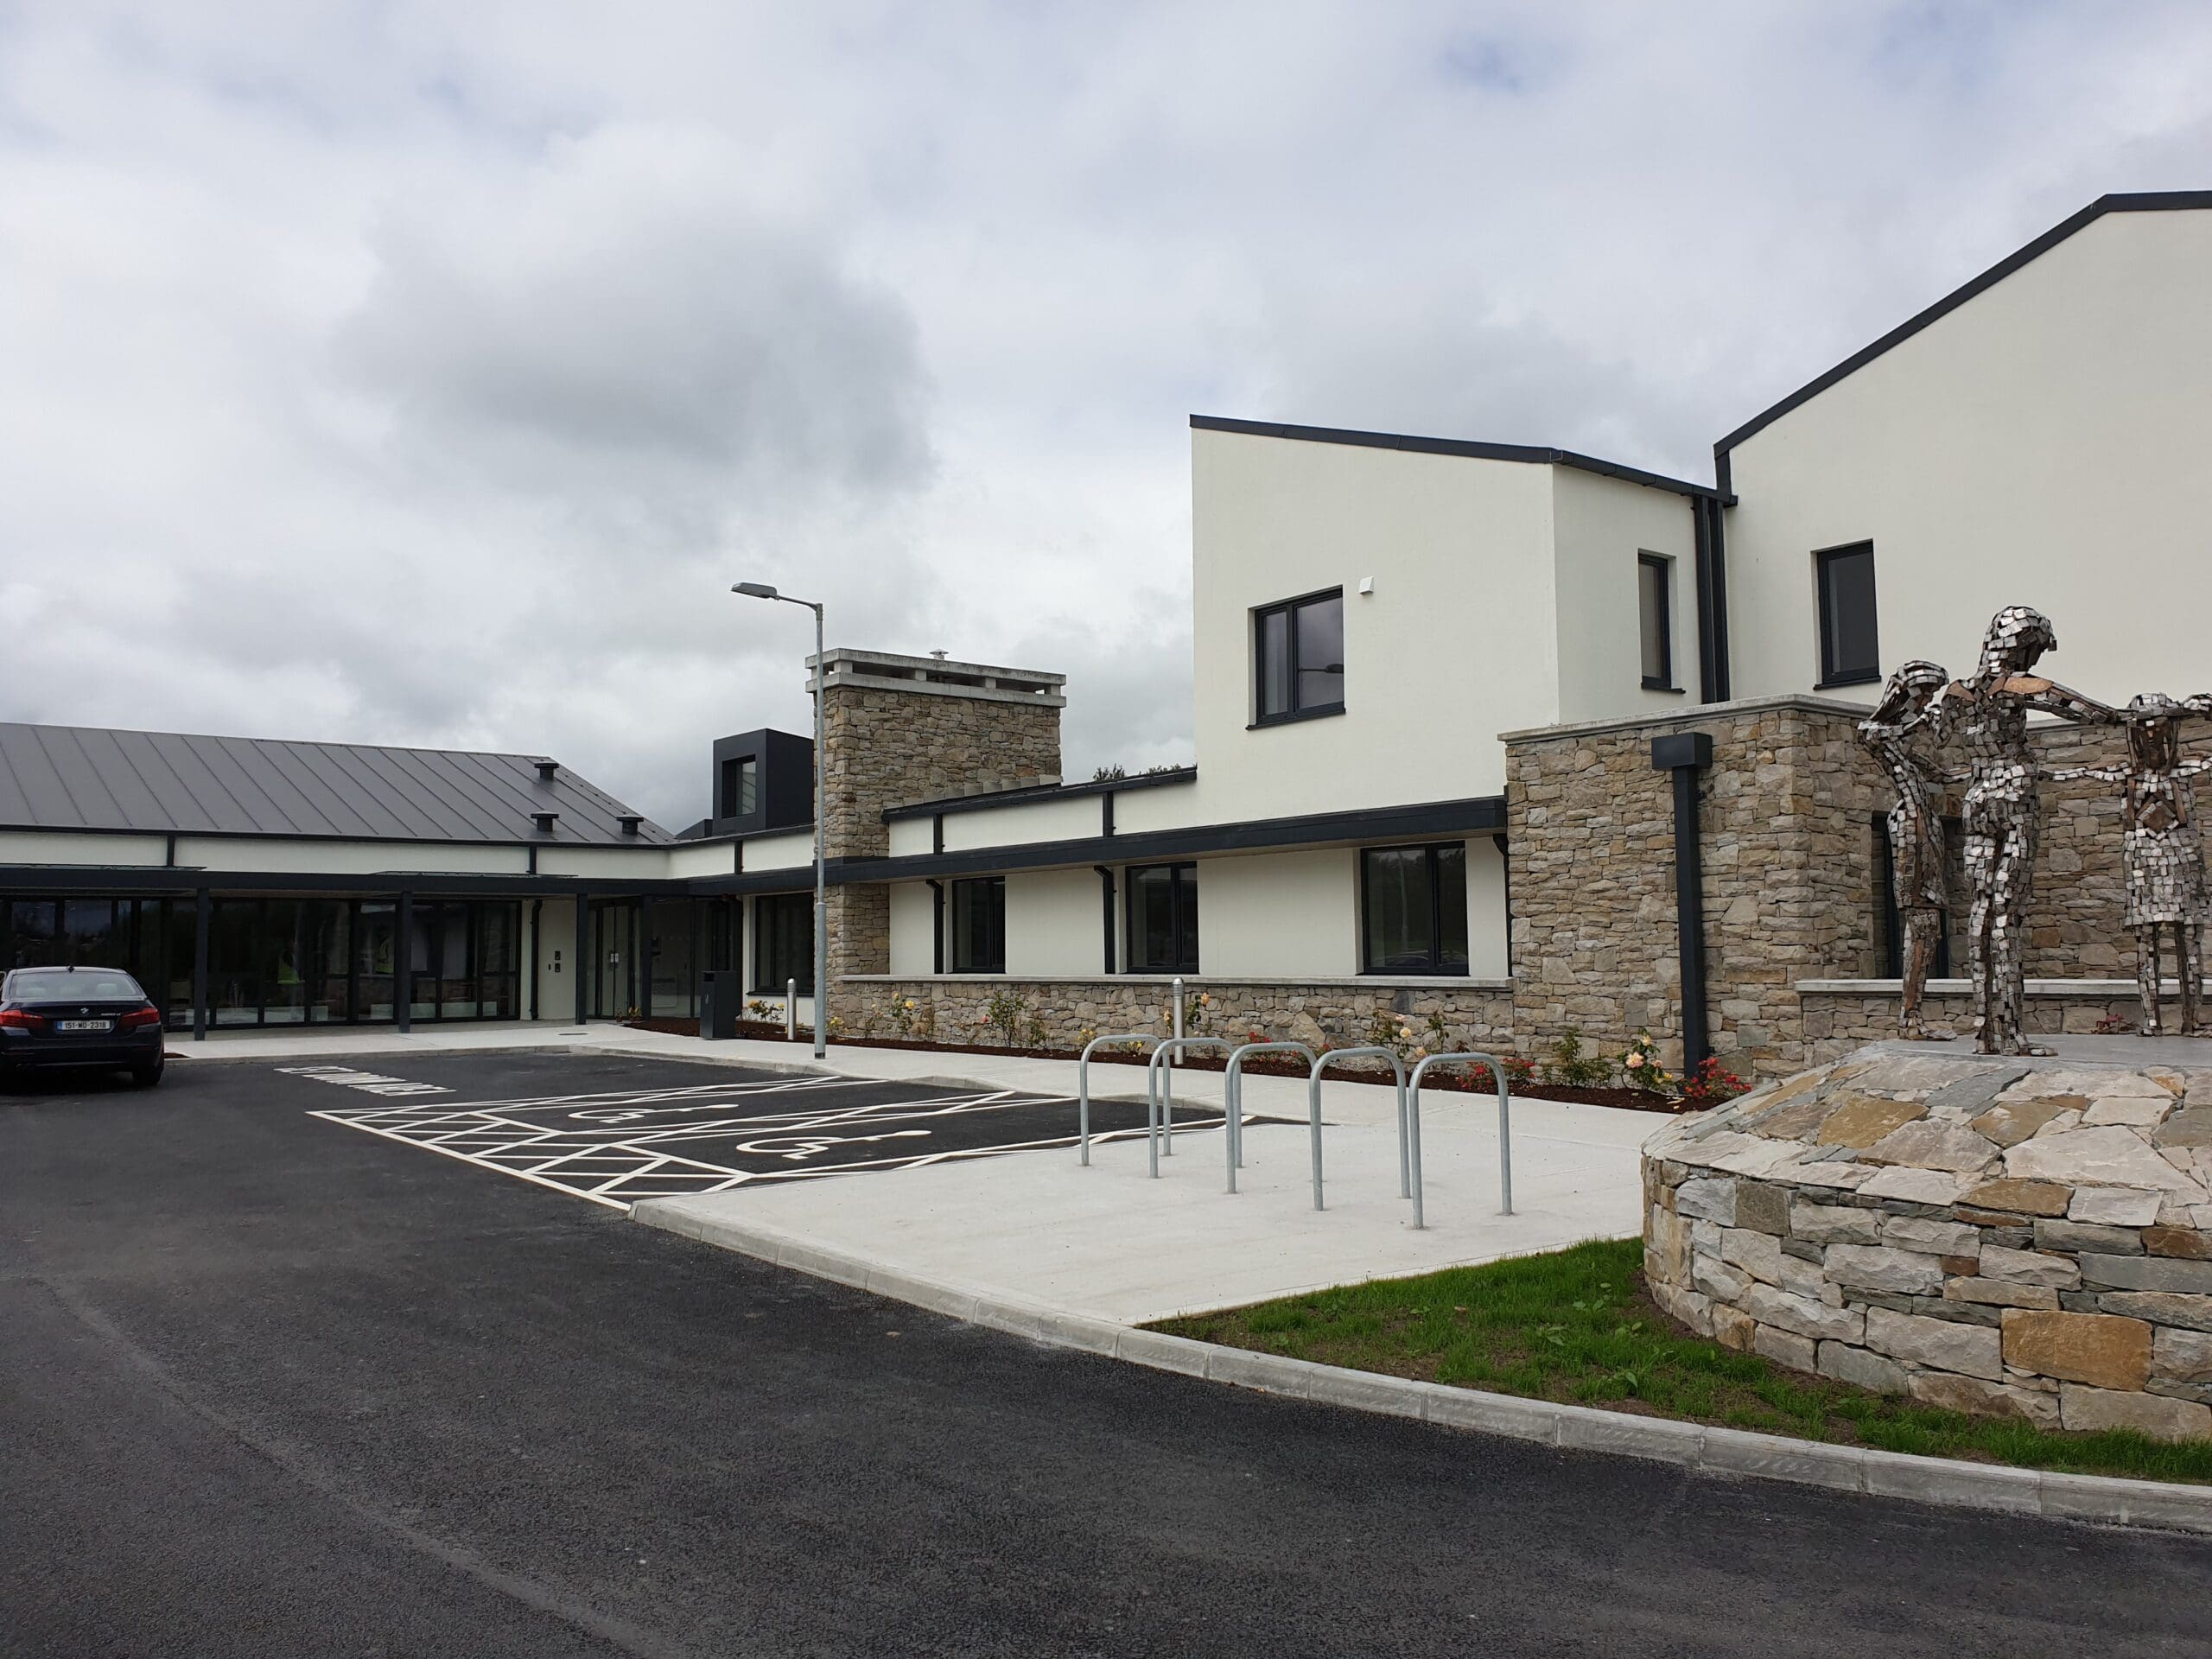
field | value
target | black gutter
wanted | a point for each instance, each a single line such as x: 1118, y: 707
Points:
x: 1712, y: 573
x: 402, y: 965
x: 1536, y: 454
x: 1685, y: 754
x: 203, y: 924
x: 936, y: 933
x: 1106, y: 894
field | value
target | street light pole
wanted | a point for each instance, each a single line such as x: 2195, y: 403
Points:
x: 761, y: 590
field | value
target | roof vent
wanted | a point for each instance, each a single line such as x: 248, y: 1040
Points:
x: 630, y: 821
x: 547, y: 770
x: 940, y: 655
x: 545, y: 820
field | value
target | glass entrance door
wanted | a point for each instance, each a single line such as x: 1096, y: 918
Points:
x: 376, y: 932
x: 614, y: 968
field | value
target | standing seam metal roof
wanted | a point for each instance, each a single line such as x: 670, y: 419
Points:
x: 161, y: 783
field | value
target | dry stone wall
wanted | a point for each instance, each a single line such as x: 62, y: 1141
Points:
x: 1999, y: 1237
x: 1067, y: 1013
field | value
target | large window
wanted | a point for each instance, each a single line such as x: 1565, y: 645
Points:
x: 740, y: 787
x: 783, y: 942
x: 1849, y: 655
x: 1655, y: 606
x: 1298, y: 656
x: 1164, y: 919
x: 978, y: 925
x: 1414, y: 909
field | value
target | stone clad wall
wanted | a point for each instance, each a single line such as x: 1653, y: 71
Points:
x: 1990, y: 1237
x: 1789, y: 840
x: 1789, y: 877
x: 1838, y: 1022
x: 1477, y: 1015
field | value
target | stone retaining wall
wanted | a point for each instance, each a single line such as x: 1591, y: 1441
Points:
x: 2031, y: 1242
x: 1837, y: 1022
x: 1477, y: 1015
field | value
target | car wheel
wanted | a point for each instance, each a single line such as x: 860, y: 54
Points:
x: 146, y: 1075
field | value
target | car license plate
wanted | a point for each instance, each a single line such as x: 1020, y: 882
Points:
x: 83, y: 1025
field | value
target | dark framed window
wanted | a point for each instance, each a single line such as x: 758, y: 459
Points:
x: 978, y: 925
x: 1412, y: 903
x: 740, y: 786
x: 783, y: 943
x: 1654, y: 612
x: 1298, y: 658
x: 1849, y: 652
x: 1164, y: 918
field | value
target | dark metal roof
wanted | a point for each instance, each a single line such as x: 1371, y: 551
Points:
x: 1534, y: 454
x: 2147, y: 201
x: 85, y: 777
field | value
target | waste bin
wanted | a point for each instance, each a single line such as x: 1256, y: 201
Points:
x: 719, y: 1002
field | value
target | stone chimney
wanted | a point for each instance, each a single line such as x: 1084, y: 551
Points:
x: 901, y: 730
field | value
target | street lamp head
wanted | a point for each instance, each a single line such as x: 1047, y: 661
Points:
x: 754, y: 590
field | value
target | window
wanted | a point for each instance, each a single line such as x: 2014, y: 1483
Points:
x: 1413, y: 906
x: 1298, y: 658
x: 1164, y: 919
x: 740, y: 787
x: 1655, y: 578
x: 783, y: 942
x: 978, y: 925
x: 1848, y: 654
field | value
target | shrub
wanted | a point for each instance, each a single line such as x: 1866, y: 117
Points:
x: 1569, y: 1067
x: 1519, y: 1074
x: 1007, y: 1011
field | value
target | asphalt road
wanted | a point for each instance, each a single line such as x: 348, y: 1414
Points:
x: 271, y: 1386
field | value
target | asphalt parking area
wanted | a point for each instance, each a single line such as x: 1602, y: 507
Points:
x: 616, y: 1130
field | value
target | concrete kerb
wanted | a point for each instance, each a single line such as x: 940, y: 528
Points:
x: 2101, y: 1499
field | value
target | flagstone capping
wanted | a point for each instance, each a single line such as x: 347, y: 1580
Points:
x: 2105, y: 1499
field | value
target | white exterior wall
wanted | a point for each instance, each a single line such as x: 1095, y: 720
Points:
x: 778, y: 852
x: 1055, y: 923
x: 1489, y: 936
x: 2044, y: 444
x: 59, y: 847
x: 1072, y: 819
x: 913, y: 929
x: 1601, y: 524
x: 556, y: 947
x: 911, y: 835
x: 1458, y: 643
x: 1280, y: 915
x: 257, y: 853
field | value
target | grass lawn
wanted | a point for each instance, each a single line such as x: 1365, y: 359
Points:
x: 1574, y: 1326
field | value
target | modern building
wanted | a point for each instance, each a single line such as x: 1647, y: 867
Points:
x: 1517, y: 739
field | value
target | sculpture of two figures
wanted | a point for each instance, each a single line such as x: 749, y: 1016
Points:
x: 1921, y: 712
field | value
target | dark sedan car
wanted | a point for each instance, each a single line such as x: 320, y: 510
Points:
x: 78, y: 1016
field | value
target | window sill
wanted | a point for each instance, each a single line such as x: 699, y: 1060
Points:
x: 1662, y: 685
x: 1869, y: 677
x: 1414, y: 973
x: 1322, y: 712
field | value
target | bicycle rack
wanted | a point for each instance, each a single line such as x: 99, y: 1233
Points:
x: 1232, y: 1101
x: 1083, y: 1083
x: 1159, y: 1103
x: 1314, y: 1085
x: 1504, y: 1127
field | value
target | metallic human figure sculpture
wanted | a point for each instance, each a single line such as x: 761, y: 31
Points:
x: 2002, y: 813
x: 2160, y: 852
x: 1896, y: 736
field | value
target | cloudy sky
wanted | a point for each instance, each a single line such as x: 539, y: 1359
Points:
x: 425, y: 373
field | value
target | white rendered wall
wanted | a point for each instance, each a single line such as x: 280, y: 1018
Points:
x: 261, y: 853
x: 1280, y: 915
x: 780, y: 852
x: 711, y: 858
x: 2044, y: 444
x: 1056, y: 922
x: 59, y: 847
x: 555, y: 946
x: 1457, y: 644
x: 1487, y: 925
x: 911, y: 835
x: 1601, y: 526
x: 913, y: 928
x: 1073, y: 819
